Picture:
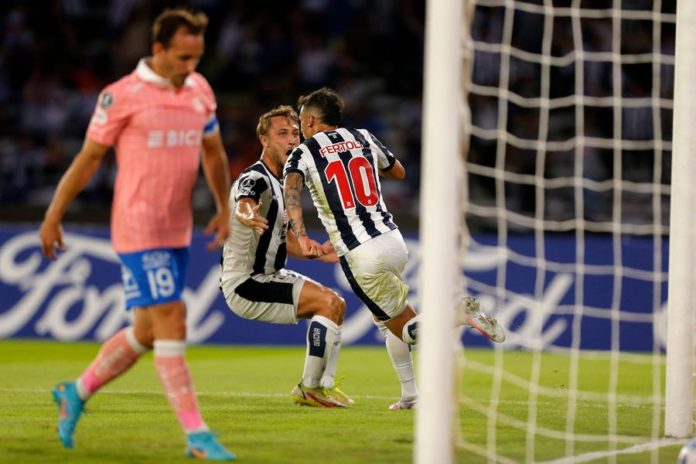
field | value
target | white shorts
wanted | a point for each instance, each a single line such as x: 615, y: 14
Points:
x: 375, y: 273
x: 266, y: 297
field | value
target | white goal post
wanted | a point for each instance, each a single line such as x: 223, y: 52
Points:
x: 439, y: 226
x: 566, y: 180
x: 679, y: 394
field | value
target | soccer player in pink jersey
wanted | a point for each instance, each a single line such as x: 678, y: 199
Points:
x: 157, y: 118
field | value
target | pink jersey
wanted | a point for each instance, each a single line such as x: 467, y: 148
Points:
x: 157, y: 131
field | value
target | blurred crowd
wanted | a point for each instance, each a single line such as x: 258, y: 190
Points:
x: 607, y: 90
x: 56, y: 55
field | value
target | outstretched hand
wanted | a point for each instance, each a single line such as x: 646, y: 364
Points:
x: 252, y: 219
x: 51, y: 237
x: 220, y: 226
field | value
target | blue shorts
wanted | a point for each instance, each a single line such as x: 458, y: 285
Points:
x: 153, y: 277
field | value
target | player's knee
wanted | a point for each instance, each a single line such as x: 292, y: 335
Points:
x: 169, y: 323
x: 336, y: 306
x: 144, y: 335
x: 340, y: 303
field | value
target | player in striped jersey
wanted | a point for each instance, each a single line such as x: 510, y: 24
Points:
x: 341, y: 167
x: 254, y: 280
x: 161, y: 120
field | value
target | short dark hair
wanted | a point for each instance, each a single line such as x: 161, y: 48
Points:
x: 328, y: 103
x: 265, y: 119
x: 171, y: 19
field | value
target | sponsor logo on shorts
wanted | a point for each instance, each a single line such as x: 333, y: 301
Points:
x: 156, y: 259
x: 130, y: 286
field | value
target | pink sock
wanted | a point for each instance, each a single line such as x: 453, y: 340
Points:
x: 174, y: 376
x: 117, y: 354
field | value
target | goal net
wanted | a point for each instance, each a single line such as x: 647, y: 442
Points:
x: 566, y: 209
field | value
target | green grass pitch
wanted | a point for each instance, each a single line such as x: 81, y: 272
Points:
x: 243, y: 392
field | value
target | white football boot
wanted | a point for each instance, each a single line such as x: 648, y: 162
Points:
x: 469, y: 313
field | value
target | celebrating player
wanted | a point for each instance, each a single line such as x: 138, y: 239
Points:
x: 254, y: 280
x: 340, y: 167
x: 158, y: 118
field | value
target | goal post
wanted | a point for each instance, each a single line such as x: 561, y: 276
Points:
x: 681, y: 306
x: 563, y: 221
x: 439, y: 225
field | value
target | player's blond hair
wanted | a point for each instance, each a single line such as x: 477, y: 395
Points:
x: 171, y: 19
x: 282, y: 110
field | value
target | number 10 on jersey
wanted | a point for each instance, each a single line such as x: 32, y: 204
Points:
x: 360, y: 175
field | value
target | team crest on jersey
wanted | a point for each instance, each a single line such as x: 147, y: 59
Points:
x: 197, y: 105
x: 106, y: 100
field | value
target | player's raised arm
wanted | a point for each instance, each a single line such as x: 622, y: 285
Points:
x: 215, y: 168
x: 81, y: 170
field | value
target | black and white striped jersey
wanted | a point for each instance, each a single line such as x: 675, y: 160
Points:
x: 341, y: 170
x: 245, y: 251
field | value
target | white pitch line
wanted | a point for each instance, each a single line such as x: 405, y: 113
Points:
x: 587, y: 457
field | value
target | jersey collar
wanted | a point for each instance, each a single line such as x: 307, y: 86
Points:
x: 268, y: 169
x: 146, y: 73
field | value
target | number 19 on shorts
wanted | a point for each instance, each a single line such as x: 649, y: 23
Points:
x: 161, y: 282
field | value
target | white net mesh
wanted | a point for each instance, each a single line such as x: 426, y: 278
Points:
x: 567, y: 209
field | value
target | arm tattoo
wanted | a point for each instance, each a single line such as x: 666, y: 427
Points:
x: 293, y: 203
